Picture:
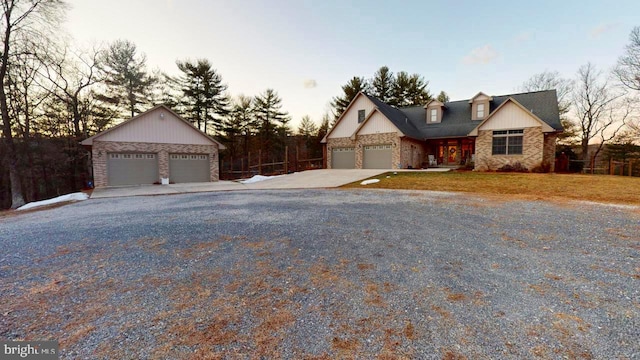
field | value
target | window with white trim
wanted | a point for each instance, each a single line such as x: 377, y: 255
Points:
x: 434, y: 115
x: 480, y: 111
x: 507, y: 142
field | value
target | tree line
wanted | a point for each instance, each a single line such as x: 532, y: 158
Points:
x: 55, y: 94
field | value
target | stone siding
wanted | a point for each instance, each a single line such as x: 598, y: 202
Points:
x: 364, y: 140
x: 532, y: 150
x: 337, y: 143
x: 418, y: 153
x: 100, y: 150
x: 378, y: 139
x: 549, y: 154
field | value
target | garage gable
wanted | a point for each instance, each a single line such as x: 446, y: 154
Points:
x: 159, y: 125
x: 349, y: 121
x: 376, y: 123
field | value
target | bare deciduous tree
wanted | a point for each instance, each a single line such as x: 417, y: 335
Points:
x: 22, y: 20
x: 601, y: 110
x: 552, y: 80
x: 628, y: 68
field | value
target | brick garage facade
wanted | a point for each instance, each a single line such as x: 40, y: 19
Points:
x: 365, y: 140
x: 101, y: 149
x: 532, y: 150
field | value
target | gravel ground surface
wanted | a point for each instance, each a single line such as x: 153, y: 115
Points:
x: 324, y: 274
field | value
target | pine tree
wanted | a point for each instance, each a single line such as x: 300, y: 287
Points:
x: 443, y: 97
x: 349, y: 90
x: 383, y: 84
x: 204, y: 95
x: 272, y: 121
x: 126, y: 77
x: 307, y: 127
x: 241, y: 125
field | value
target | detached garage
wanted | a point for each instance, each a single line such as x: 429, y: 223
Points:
x: 154, y: 147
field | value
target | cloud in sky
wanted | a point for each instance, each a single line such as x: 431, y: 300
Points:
x: 482, y: 55
x: 523, y: 37
x: 310, y: 84
x: 601, y: 29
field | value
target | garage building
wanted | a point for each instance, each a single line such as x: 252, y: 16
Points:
x: 155, y: 145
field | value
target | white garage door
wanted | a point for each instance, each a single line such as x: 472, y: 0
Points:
x: 343, y: 158
x: 131, y: 169
x: 377, y: 156
x: 186, y: 168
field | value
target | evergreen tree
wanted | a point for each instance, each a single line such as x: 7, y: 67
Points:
x: 409, y: 90
x: 349, y: 90
x: 323, y: 129
x: 126, y: 77
x: 443, y: 97
x: 241, y: 125
x: 204, y: 98
x: 383, y: 84
x: 272, y: 121
x: 307, y: 127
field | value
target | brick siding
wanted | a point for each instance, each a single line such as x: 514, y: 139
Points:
x: 532, y: 151
x: 100, y: 150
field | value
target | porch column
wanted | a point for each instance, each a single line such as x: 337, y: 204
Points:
x: 458, y: 151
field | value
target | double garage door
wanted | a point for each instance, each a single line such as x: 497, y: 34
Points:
x: 375, y: 157
x: 137, y: 169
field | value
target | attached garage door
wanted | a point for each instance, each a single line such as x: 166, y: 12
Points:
x: 186, y: 168
x: 131, y: 169
x: 343, y: 158
x: 377, y: 156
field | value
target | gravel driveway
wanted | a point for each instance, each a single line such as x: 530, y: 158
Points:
x: 324, y: 274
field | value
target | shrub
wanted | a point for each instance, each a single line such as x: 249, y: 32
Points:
x: 515, y: 167
x: 544, y: 167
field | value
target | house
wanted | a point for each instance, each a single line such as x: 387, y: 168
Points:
x: 155, y: 145
x: 488, y: 131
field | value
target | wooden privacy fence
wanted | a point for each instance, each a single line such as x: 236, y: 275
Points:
x: 629, y: 167
x: 253, y: 164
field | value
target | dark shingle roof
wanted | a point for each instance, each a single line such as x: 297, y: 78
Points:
x: 456, y: 119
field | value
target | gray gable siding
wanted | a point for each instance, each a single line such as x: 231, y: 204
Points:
x: 456, y: 118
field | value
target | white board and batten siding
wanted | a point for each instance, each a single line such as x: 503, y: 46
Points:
x: 510, y: 116
x: 378, y: 124
x: 158, y: 126
x: 349, y: 122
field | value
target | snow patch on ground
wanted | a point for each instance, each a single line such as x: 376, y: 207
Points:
x: 79, y: 196
x: 370, y: 181
x: 258, y: 178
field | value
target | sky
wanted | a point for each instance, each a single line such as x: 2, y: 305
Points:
x: 306, y: 50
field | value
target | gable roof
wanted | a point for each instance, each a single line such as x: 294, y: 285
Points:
x: 456, y: 118
x: 353, y: 101
x: 398, y: 118
x: 89, y: 141
x: 362, y: 124
x: 545, y: 126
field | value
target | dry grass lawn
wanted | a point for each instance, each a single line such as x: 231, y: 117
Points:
x: 598, y: 188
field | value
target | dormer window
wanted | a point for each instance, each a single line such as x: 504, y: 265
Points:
x: 434, y: 111
x: 480, y: 106
x: 361, y: 116
x: 480, y: 109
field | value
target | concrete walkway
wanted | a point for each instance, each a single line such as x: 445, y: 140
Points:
x: 312, y: 179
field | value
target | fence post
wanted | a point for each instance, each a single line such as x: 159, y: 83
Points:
x: 260, y: 162
x: 593, y: 163
x: 630, y: 165
x: 297, y: 159
x: 611, y: 168
x: 286, y: 159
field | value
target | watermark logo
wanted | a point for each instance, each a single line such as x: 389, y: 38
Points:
x: 33, y: 350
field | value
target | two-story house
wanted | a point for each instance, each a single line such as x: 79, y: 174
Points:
x: 489, y: 131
